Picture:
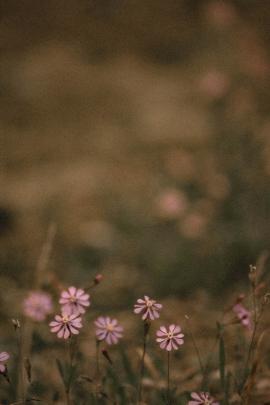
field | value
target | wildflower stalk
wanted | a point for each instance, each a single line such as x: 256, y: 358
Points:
x: 97, y: 358
x: 20, y: 376
x: 168, y: 378
x: 146, y: 329
x: 68, y: 384
x: 256, y: 317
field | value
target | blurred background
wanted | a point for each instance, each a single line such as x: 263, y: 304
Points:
x: 141, y: 129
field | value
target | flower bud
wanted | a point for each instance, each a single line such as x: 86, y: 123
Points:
x: 98, y: 279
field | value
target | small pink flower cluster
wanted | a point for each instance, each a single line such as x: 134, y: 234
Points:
x: 73, y: 303
x: 169, y: 338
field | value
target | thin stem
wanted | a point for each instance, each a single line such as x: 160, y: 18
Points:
x: 70, y: 357
x: 97, y: 358
x: 145, y: 335
x: 168, y: 379
x: 20, y: 387
x: 141, y: 371
x: 256, y: 321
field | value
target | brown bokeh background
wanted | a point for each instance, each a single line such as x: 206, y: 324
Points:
x: 141, y: 130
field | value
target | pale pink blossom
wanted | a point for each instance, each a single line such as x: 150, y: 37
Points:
x: 243, y: 315
x: 108, y: 329
x: 4, y: 356
x: 171, y: 338
x: 148, y: 308
x: 37, y: 305
x: 202, y: 398
x: 220, y: 13
x: 214, y: 84
x: 66, y: 325
x: 171, y: 203
x: 74, y: 301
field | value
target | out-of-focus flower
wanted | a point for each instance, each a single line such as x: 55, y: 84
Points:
x: 108, y: 329
x: 214, y: 84
x: 243, y: 315
x: 202, y: 398
x: 66, y: 325
x: 171, y: 204
x: 149, y: 309
x: 171, y: 338
x: 74, y: 300
x: 37, y: 305
x: 4, y: 356
x: 220, y: 13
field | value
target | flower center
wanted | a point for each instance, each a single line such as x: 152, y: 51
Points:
x: 170, y: 335
x: 110, y: 327
x: 73, y: 299
x: 65, y: 319
x: 149, y: 303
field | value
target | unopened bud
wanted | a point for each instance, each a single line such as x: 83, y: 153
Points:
x: 240, y: 298
x: 98, y: 278
x: 106, y: 355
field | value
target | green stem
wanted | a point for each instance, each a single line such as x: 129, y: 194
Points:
x: 20, y: 388
x: 145, y: 335
x: 168, y: 379
x: 97, y: 359
x: 70, y: 357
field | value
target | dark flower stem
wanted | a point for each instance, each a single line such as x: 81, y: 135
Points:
x: 21, y: 386
x: 145, y: 335
x: 97, y: 359
x: 70, y: 356
x: 168, y: 379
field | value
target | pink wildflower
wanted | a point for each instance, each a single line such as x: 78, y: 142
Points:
x: 66, y: 325
x: 202, y: 398
x: 4, y: 356
x: 108, y: 330
x: 37, y: 305
x: 243, y: 315
x: 148, y: 308
x: 170, y: 338
x: 74, y: 300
